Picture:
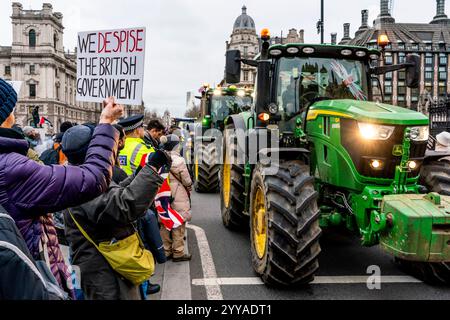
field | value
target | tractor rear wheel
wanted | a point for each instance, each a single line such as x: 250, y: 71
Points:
x: 232, y: 183
x: 436, y: 177
x: 284, y: 224
x: 206, y: 168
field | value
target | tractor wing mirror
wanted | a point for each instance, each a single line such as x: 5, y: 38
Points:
x: 413, y: 71
x: 233, y: 66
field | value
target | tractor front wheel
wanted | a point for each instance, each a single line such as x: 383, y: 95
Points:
x: 232, y: 183
x: 284, y: 224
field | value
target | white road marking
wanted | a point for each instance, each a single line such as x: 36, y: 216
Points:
x: 317, y: 280
x: 213, y: 291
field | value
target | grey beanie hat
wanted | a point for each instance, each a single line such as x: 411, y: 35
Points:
x: 169, y: 142
x: 75, y: 143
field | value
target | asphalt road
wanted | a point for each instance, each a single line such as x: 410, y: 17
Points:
x: 342, y: 258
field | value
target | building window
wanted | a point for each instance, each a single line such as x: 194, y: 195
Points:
x: 401, y: 46
x: 402, y: 75
x: 388, y: 87
x: 245, y: 51
x: 428, y: 60
x: 401, y: 57
x: 388, y: 76
x: 443, y: 73
x: 32, y: 91
x: 428, y: 75
x: 442, y: 89
x: 55, y: 41
x: 443, y: 59
x: 388, y: 58
x: 32, y: 38
x: 414, y: 94
x: 7, y: 70
x: 415, y: 46
x: 32, y: 69
x: 245, y: 75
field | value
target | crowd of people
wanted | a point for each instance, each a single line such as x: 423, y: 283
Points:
x: 93, y: 190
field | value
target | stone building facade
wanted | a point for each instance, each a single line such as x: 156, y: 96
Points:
x: 431, y: 41
x: 245, y: 39
x: 37, y: 57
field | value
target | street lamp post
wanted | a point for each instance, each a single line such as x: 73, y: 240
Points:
x: 321, y: 22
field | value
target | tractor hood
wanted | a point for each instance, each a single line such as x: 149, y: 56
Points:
x: 366, y: 111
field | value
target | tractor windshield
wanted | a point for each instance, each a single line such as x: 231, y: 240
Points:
x: 303, y: 81
x: 223, y: 106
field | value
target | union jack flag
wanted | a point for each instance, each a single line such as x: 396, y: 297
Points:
x: 169, y: 217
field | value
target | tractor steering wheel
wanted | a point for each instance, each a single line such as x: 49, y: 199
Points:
x: 304, y: 101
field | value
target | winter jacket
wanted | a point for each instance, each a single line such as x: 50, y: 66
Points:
x: 109, y: 216
x: 29, y: 191
x: 180, y: 182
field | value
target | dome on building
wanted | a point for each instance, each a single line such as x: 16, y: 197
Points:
x: 244, y: 21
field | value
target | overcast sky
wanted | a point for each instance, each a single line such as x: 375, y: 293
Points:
x: 186, y: 38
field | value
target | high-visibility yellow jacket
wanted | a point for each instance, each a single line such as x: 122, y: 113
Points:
x: 130, y: 157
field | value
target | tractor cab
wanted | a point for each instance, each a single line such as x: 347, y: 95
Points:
x: 217, y: 104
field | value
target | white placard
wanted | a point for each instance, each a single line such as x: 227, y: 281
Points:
x: 111, y: 63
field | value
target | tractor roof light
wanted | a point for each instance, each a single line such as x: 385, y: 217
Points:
x: 308, y: 50
x: 371, y: 131
x: 383, y: 40
x: 264, y: 117
x: 265, y: 34
x: 241, y: 93
x: 361, y: 54
x: 276, y: 52
x: 293, y: 50
x: 346, y: 52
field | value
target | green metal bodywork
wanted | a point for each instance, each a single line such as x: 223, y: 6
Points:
x: 421, y: 227
x: 390, y: 212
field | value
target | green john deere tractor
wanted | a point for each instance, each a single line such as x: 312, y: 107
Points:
x: 316, y: 152
x: 216, y: 105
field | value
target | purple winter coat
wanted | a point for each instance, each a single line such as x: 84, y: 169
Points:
x: 29, y: 191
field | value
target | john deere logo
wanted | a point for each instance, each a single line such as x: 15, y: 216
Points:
x: 397, y: 150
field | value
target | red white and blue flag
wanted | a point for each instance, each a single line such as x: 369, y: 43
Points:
x: 169, y: 217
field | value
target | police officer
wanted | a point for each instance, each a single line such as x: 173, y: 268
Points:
x: 135, y: 151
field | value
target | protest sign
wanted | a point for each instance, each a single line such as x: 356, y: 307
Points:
x: 111, y: 63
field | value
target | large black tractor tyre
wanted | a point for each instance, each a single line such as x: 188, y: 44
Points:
x: 291, y: 224
x: 435, y: 176
x: 206, y: 168
x: 232, y: 184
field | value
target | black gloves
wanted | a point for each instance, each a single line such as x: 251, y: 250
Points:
x: 159, y: 159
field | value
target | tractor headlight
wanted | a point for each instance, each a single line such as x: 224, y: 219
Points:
x: 371, y: 131
x: 420, y: 133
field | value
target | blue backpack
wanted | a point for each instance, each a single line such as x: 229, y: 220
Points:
x: 21, y: 277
